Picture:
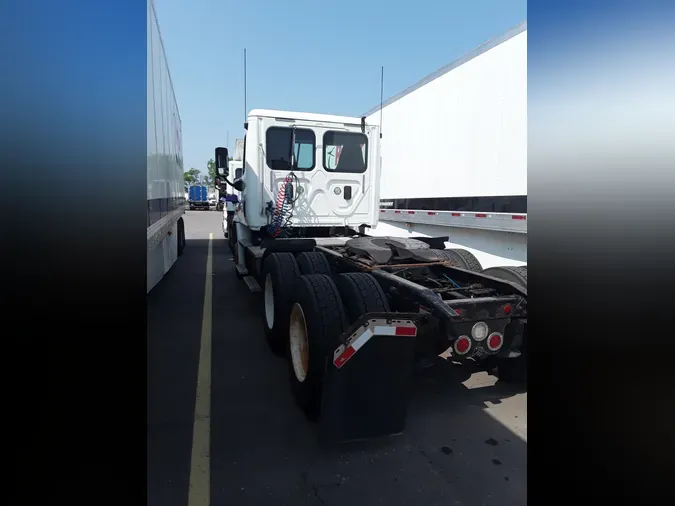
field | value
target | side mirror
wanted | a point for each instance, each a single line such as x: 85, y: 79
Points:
x: 221, y: 162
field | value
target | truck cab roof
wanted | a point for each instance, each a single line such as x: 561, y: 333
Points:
x: 304, y: 116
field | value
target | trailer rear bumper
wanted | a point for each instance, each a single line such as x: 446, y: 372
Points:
x: 367, y: 378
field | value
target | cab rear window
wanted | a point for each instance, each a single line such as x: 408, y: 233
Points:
x: 345, y: 152
x: 278, y: 142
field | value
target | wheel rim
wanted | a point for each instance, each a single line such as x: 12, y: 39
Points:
x: 298, y: 343
x: 269, y: 302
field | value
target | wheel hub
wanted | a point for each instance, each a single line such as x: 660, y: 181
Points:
x: 269, y: 302
x: 298, y: 343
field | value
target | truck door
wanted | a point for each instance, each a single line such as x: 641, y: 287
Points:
x: 346, y: 165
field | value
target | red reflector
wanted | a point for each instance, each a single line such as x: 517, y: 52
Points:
x: 397, y: 212
x: 430, y: 213
x: 346, y: 355
x: 411, y: 212
x: 381, y: 210
x: 481, y: 216
x: 455, y: 214
x: 507, y: 309
x: 514, y: 217
x: 406, y: 331
x: 462, y: 345
x: 495, y: 341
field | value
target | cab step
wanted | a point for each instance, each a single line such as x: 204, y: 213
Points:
x: 252, y: 284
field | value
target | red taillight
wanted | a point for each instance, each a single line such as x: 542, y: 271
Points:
x: 495, y: 341
x: 462, y: 345
x: 507, y: 309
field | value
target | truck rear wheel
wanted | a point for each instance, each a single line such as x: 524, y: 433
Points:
x: 313, y: 262
x: 361, y: 293
x: 463, y: 259
x: 513, y: 274
x: 280, y: 271
x: 317, y: 319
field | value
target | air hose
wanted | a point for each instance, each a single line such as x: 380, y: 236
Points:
x: 283, y: 211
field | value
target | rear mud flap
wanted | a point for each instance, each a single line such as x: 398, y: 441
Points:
x: 366, y: 381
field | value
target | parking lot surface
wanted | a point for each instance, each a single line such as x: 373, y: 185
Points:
x: 464, y: 444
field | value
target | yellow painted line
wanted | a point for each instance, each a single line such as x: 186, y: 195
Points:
x: 200, y: 464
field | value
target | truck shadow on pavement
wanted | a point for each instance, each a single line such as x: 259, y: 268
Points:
x: 465, y: 440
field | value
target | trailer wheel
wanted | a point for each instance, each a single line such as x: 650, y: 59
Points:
x: 463, y: 259
x: 361, y: 293
x: 280, y: 271
x: 313, y: 262
x: 317, y: 319
x: 513, y: 274
x: 180, y: 228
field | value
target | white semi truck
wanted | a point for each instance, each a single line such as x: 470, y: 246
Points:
x: 351, y: 312
x: 166, y: 185
x: 454, y: 154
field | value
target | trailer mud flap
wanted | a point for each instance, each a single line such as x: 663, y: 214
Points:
x: 366, y: 381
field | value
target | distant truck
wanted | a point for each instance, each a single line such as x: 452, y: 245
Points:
x: 213, y: 198
x: 199, y: 197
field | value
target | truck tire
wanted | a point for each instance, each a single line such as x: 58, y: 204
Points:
x: 317, y: 319
x: 513, y: 274
x: 463, y: 259
x: 361, y: 293
x: 313, y: 262
x: 280, y: 271
x: 180, y: 230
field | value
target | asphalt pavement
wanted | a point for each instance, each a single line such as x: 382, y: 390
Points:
x: 464, y: 443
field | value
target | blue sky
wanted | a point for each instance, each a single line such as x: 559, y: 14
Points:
x: 309, y: 56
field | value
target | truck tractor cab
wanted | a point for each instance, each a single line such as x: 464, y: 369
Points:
x: 304, y: 174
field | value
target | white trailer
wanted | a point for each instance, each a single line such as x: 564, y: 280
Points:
x: 166, y: 186
x: 454, y: 154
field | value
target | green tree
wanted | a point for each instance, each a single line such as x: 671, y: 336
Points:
x: 191, y: 176
x: 211, y: 172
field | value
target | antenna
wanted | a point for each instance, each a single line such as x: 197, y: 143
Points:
x: 245, y: 110
x: 381, y: 97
